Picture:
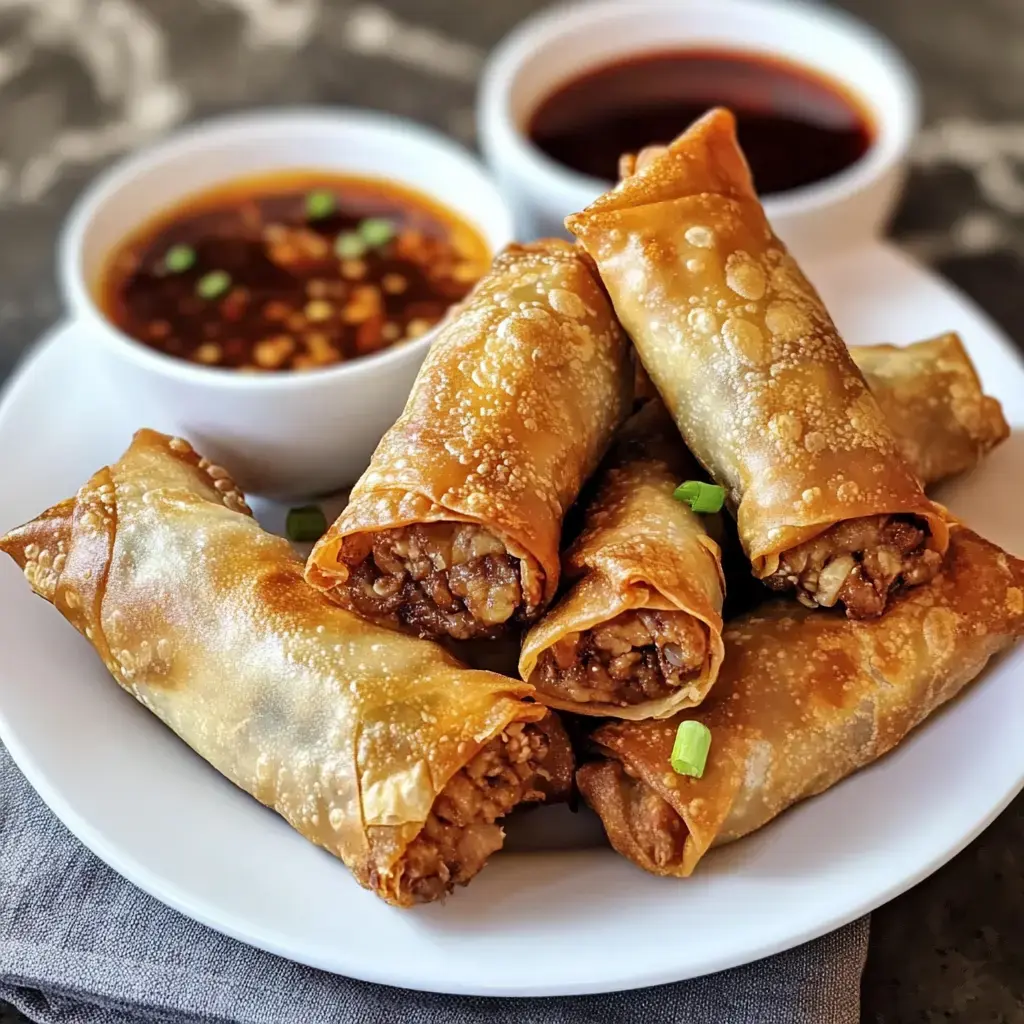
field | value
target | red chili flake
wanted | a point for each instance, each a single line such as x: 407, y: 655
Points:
x: 233, y: 307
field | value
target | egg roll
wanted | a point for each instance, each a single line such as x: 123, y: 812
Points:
x: 932, y: 399
x: 377, y: 746
x: 638, y: 633
x: 804, y: 699
x: 453, y: 530
x: 763, y: 389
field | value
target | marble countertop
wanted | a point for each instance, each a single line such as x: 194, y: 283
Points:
x: 83, y: 81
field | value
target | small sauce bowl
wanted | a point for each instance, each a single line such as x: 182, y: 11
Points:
x: 287, y: 434
x: 564, y: 42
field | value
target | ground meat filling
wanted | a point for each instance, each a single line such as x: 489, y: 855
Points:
x: 858, y: 563
x: 656, y: 827
x: 636, y: 657
x: 461, y: 832
x: 653, y: 826
x: 439, y: 579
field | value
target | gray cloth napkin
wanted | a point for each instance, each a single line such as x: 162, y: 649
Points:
x: 80, y: 945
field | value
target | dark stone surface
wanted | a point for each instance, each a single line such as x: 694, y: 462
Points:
x: 80, y: 84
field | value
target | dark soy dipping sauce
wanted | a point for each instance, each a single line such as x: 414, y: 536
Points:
x: 291, y: 271
x: 795, y: 125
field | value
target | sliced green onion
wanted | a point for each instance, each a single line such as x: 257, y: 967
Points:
x: 320, y: 204
x: 179, y: 258
x: 214, y: 284
x: 376, y: 231
x: 306, y: 523
x: 350, y: 245
x: 690, y: 750
x: 701, y: 497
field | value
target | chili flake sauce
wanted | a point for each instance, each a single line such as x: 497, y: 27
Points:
x: 291, y: 271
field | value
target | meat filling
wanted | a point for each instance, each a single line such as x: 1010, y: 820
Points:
x: 462, y: 831
x: 636, y: 657
x: 858, y: 563
x: 640, y: 824
x: 439, y: 579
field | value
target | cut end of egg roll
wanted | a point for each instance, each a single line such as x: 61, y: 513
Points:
x: 641, y: 825
x: 858, y: 563
x: 620, y: 661
x: 527, y: 762
x: 638, y: 634
x: 804, y: 699
x: 441, y: 579
x: 745, y: 356
x: 932, y: 400
x: 377, y: 746
x: 454, y: 529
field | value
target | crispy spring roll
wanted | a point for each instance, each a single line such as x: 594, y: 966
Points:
x: 638, y: 635
x: 932, y: 399
x: 803, y: 700
x: 745, y: 356
x: 454, y: 528
x: 379, y: 747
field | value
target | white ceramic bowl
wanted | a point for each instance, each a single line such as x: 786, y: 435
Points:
x: 563, y: 42
x: 286, y: 434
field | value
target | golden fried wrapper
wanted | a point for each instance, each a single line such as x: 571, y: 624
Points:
x: 640, y: 550
x: 512, y: 410
x: 932, y: 399
x: 351, y: 732
x: 804, y: 699
x: 742, y: 350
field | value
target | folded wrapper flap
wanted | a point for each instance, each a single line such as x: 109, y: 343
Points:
x: 742, y: 350
x: 348, y: 730
x: 933, y: 400
x: 511, y: 411
x: 806, y: 697
x: 639, y: 549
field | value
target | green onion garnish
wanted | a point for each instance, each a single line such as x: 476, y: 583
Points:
x: 306, y: 523
x: 179, y: 258
x: 690, y: 750
x: 350, y: 245
x: 320, y: 204
x: 376, y: 231
x: 701, y: 497
x: 214, y: 284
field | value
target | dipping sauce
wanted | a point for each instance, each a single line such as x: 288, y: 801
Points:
x: 795, y: 125
x: 291, y: 271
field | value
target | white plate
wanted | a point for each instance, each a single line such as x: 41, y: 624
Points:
x: 560, y: 921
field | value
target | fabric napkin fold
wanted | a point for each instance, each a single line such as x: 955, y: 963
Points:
x: 80, y: 945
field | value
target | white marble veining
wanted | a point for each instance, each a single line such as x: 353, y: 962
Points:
x: 123, y: 51
x: 288, y: 23
x: 374, y: 31
x: 992, y: 155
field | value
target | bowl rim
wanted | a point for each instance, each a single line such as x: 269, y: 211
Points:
x: 206, y: 135
x: 501, y: 134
